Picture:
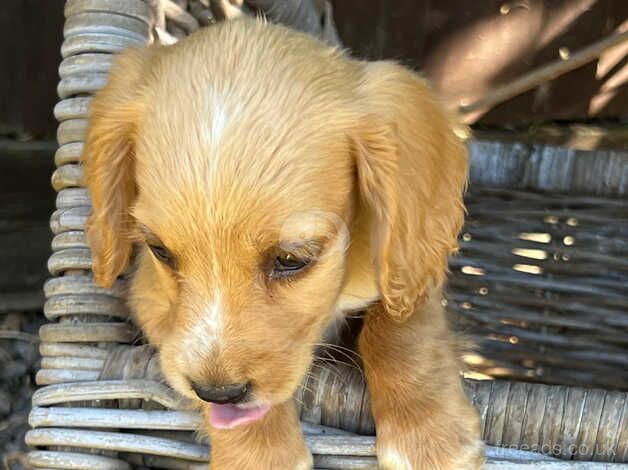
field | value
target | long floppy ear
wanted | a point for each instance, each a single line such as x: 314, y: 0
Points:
x: 412, y: 172
x: 108, y: 159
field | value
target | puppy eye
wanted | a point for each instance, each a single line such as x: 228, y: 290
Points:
x: 288, y: 265
x: 163, y: 255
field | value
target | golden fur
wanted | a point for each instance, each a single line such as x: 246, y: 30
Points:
x: 239, y: 141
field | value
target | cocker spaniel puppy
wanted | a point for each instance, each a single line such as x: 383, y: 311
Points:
x: 273, y: 185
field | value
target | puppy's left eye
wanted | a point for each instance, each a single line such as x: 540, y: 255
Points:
x: 163, y: 255
x: 287, y: 265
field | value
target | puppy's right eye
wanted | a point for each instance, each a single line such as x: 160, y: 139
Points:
x: 163, y: 255
x: 287, y: 264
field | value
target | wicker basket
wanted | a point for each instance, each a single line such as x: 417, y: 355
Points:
x: 559, y: 317
x: 541, y: 285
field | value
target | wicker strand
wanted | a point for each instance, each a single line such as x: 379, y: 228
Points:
x: 87, y: 320
x: 533, y: 417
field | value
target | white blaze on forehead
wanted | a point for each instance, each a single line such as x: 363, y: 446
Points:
x: 206, y: 331
x: 218, y: 114
x: 218, y: 121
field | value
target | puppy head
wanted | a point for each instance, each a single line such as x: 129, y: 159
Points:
x: 267, y: 189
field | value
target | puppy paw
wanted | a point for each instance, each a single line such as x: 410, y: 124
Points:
x: 412, y: 455
x: 419, y: 446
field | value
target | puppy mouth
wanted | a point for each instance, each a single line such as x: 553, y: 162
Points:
x: 229, y: 416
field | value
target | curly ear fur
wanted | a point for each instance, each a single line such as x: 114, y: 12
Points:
x: 412, y: 172
x: 108, y: 160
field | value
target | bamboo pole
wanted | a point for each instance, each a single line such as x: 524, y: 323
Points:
x: 541, y: 75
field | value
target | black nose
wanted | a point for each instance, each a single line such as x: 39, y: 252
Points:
x: 221, y: 394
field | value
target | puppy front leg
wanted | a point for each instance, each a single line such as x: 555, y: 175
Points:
x: 423, y: 418
x: 274, y: 442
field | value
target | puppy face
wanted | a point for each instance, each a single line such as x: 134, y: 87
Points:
x: 270, y: 183
x: 243, y: 249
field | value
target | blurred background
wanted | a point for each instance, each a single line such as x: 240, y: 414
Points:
x: 468, y: 50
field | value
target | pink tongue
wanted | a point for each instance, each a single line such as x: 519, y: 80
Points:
x: 230, y: 416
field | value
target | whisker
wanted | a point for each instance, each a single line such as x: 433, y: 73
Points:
x: 337, y: 375
x: 309, y: 375
x: 320, y: 367
x: 329, y: 362
x: 307, y: 389
x: 338, y: 347
x: 299, y: 401
x: 345, y: 352
x: 332, y: 361
x: 327, y: 367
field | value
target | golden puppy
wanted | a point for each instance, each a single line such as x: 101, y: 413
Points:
x: 274, y: 184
